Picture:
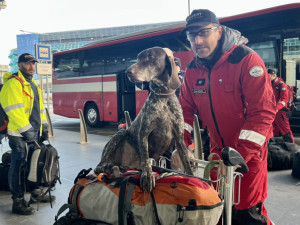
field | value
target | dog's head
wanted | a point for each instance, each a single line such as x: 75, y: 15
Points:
x: 155, y: 64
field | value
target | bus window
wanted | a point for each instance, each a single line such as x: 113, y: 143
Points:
x: 93, y: 63
x: 266, y: 51
x: 67, y: 66
x: 291, y: 51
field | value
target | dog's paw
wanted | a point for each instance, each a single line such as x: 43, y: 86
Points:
x: 104, y: 168
x: 147, y: 181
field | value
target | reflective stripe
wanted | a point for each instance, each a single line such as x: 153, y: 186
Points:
x: 27, y: 111
x: 15, y: 106
x: 282, y: 102
x: 44, y: 121
x: 188, y: 127
x: 23, y: 129
x: 42, y: 111
x: 283, y: 89
x: 14, y: 133
x: 253, y: 136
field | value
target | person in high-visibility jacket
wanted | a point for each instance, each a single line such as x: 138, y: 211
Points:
x: 22, y: 102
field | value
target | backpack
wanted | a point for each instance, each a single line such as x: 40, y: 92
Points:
x: 43, y: 164
x: 3, y: 116
x: 290, y: 105
x: 177, y: 198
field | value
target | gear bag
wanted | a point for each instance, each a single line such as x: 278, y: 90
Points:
x: 43, y: 164
x: 177, y: 198
x: 281, y: 154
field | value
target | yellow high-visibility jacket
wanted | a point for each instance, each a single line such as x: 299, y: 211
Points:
x: 17, y: 105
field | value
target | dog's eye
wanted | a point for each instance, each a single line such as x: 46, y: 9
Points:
x: 150, y: 56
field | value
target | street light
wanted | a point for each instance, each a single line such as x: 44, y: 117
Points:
x: 3, y: 4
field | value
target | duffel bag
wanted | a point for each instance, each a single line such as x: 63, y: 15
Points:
x: 4, y: 177
x: 280, y: 155
x: 177, y: 198
x: 296, y: 166
x: 6, y: 157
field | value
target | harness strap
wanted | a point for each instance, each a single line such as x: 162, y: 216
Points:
x: 22, y: 83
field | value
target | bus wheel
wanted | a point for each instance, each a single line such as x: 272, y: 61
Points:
x: 91, y: 115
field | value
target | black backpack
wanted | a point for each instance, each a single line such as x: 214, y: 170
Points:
x: 43, y: 164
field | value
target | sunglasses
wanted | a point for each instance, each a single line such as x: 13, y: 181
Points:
x: 204, y: 33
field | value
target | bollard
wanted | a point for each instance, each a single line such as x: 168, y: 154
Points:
x: 83, y: 130
x: 127, y: 119
x: 197, y: 139
x: 50, y: 128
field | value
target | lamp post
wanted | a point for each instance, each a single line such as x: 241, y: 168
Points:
x: 3, y: 4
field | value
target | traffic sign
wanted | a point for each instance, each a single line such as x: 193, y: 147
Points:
x: 43, y: 52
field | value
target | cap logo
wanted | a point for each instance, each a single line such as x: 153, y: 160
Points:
x: 191, y: 17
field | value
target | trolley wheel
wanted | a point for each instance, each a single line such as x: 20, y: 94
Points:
x: 91, y: 115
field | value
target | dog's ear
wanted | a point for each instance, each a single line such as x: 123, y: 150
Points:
x: 174, y: 81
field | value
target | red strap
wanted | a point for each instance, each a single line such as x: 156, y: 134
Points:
x: 22, y: 83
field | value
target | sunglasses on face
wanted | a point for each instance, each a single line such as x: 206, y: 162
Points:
x: 201, y: 33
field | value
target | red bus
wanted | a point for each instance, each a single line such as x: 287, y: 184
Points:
x: 92, y: 78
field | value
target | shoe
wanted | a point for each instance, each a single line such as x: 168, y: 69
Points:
x: 21, y: 207
x: 37, y: 195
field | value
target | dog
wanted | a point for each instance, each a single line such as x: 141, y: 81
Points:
x: 159, y: 122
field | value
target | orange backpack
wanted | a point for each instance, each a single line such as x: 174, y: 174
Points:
x: 176, y: 199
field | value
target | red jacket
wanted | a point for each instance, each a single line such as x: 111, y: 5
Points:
x: 234, y: 99
x: 281, y: 93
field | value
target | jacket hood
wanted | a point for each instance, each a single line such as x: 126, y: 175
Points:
x: 6, y: 77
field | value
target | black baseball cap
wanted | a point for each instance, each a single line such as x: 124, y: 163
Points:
x: 200, y: 18
x: 272, y: 71
x: 177, y: 61
x: 26, y: 57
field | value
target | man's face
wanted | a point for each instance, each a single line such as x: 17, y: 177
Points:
x: 28, y: 67
x: 204, y: 40
x: 272, y: 76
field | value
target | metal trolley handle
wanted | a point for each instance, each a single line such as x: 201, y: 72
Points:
x: 231, y: 158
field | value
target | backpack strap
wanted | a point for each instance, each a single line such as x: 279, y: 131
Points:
x: 124, y: 207
x: 22, y: 83
x: 155, y: 208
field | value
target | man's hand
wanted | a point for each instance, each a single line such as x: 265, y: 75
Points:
x: 29, y: 135
x: 45, y: 135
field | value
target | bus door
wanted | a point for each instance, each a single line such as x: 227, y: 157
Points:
x: 126, y: 96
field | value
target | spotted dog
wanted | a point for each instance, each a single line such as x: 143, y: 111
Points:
x: 159, y: 122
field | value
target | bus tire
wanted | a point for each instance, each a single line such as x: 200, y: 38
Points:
x: 91, y: 115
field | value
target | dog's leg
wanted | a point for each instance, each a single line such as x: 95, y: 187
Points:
x: 112, y: 153
x: 147, y: 177
x: 182, y: 150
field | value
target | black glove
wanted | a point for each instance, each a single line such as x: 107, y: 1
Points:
x: 45, y: 135
x: 29, y: 135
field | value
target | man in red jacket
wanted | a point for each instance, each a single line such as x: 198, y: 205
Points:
x: 281, y: 125
x: 228, y: 86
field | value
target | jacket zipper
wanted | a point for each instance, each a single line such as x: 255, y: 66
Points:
x: 212, y: 110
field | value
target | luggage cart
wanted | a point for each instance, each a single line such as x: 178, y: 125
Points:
x: 225, y: 185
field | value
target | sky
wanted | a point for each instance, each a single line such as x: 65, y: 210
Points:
x: 44, y: 16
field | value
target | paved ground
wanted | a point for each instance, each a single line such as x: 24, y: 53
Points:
x: 283, y: 202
